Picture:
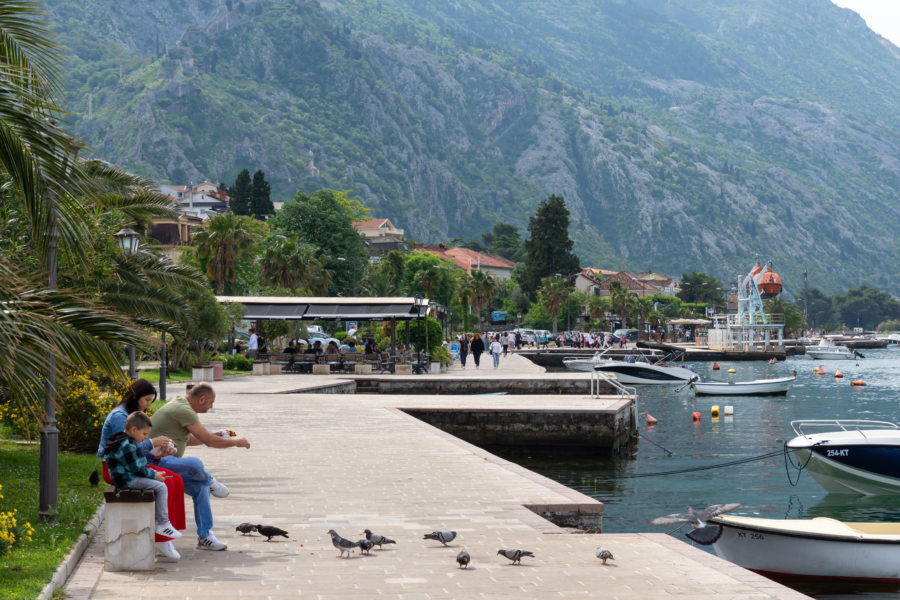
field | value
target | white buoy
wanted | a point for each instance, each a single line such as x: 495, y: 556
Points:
x: 729, y: 410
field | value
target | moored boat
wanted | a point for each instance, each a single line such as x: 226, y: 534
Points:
x: 827, y: 350
x: 851, y: 455
x: 756, y: 387
x: 820, y: 548
x: 644, y: 373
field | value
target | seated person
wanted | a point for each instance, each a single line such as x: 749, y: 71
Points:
x: 128, y: 468
x: 348, y: 347
x: 291, y: 349
x: 316, y: 348
x: 332, y: 348
x: 371, y: 347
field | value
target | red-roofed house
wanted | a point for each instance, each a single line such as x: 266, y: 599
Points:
x: 470, y: 260
x: 628, y: 281
x: 381, y: 236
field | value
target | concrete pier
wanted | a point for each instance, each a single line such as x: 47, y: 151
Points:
x: 350, y: 462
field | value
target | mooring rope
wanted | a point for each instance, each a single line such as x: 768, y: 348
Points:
x: 730, y: 463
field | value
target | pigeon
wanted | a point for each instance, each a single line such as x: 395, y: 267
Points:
x: 515, y: 555
x: 270, y: 531
x: 344, y: 545
x: 245, y: 528
x: 463, y: 559
x: 94, y: 478
x: 604, y: 555
x: 441, y: 536
x: 701, y: 533
x: 365, y: 545
x: 377, y: 539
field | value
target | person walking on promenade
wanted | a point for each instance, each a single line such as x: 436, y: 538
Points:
x: 496, y: 349
x: 504, y: 341
x: 476, y: 348
x: 138, y: 397
x: 463, y: 348
x: 178, y: 419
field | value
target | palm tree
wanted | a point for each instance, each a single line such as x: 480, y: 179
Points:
x: 596, y: 307
x: 225, y: 239
x: 622, y: 300
x: 293, y: 265
x: 553, y: 294
x: 483, y: 286
x: 644, y: 308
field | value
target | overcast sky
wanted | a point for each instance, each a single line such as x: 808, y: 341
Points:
x: 882, y: 16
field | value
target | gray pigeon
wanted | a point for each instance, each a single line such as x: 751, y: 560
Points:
x: 377, y: 539
x: 245, y: 528
x: 702, y: 533
x: 444, y: 537
x: 342, y: 544
x: 515, y: 555
x: 604, y: 555
x: 365, y: 546
x: 463, y: 559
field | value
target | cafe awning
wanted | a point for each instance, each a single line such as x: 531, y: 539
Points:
x: 325, y: 309
x: 689, y: 321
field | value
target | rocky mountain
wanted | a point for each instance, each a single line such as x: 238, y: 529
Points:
x: 684, y: 134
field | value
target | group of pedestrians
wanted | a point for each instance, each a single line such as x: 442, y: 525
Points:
x: 476, y: 347
x: 143, y: 453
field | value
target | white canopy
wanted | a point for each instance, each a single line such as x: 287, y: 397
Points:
x: 689, y: 321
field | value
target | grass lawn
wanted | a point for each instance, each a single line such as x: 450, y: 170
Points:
x: 178, y: 375
x: 31, y: 565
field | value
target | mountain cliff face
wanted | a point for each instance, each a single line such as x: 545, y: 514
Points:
x: 684, y: 135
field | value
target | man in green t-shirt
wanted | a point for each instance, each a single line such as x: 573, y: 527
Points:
x: 180, y: 419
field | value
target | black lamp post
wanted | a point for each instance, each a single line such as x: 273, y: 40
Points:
x: 129, y: 240
x: 418, y: 299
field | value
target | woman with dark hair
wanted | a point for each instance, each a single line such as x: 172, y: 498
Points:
x: 476, y: 347
x: 138, y: 397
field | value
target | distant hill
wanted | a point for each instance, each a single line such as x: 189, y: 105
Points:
x: 684, y: 135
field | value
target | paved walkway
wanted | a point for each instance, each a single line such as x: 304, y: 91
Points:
x: 323, y: 461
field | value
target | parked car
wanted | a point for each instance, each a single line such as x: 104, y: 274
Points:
x: 630, y: 335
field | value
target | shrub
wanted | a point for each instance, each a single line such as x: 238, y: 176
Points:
x: 12, y: 533
x: 81, y: 410
x: 238, y: 362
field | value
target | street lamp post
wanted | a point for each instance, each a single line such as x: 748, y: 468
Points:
x: 129, y: 240
x: 352, y: 264
x: 418, y: 300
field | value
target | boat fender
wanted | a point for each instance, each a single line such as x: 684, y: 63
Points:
x: 715, y: 366
x: 696, y: 417
x: 838, y: 374
x: 715, y: 410
x: 858, y: 382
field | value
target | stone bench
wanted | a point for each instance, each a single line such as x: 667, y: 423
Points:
x: 130, y: 529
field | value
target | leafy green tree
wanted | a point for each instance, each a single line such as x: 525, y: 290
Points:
x: 622, y: 301
x: 260, y: 201
x: 700, y: 287
x: 504, y: 240
x: 865, y: 307
x: 225, y: 239
x: 353, y: 207
x: 241, y: 194
x: 320, y: 219
x: 817, y: 305
x: 549, y: 250
x: 553, y: 294
x: 793, y: 318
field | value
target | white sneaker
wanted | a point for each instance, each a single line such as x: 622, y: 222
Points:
x: 210, y: 543
x: 218, y: 489
x: 167, y: 530
x: 167, y: 549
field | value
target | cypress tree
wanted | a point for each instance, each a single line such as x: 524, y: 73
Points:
x: 548, y: 251
x: 260, y: 192
x: 240, y: 194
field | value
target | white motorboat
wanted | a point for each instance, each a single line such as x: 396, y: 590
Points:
x: 851, y: 456
x: 635, y: 372
x: 827, y: 350
x: 756, y: 387
x: 820, y: 548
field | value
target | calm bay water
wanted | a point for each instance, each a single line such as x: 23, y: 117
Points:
x: 760, y: 425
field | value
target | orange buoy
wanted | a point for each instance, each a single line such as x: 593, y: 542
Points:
x: 858, y: 382
x: 838, y: 373
x: 715, y: 366
x: 821, y: 370
x: 773, y: 360
x: 696, y: 416
x: 651, y: 420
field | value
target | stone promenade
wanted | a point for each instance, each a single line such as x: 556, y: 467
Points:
x: 350, y: 462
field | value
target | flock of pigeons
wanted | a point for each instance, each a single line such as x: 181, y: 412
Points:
x: 374, y: 539
x: 702, y: 532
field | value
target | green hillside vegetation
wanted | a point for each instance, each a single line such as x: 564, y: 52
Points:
x: 686, y: 135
